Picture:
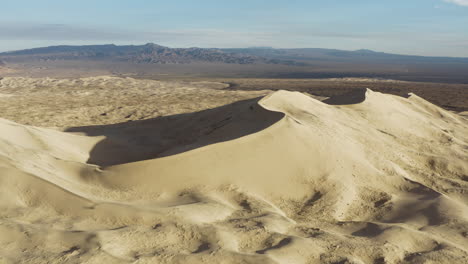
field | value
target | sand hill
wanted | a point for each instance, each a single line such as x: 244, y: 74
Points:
x: 367, y: 178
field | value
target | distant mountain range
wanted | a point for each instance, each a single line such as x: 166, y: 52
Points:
x: 255, y: 62
x: 149, y: 53
x: 155, y: 54
x: 310, y: 55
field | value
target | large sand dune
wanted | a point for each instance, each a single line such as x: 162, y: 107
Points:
x: 282, y: 179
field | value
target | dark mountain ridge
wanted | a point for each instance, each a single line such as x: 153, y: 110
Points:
x: 157, y: 54
x: 307, y: 54
x: 259, y: 62
x: 148, y: 53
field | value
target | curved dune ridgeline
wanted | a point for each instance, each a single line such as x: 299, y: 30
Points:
x: 282, y: 179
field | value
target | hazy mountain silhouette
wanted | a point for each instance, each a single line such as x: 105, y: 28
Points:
x: 258, y: 62
x: 313, y: 54
x: 148, y: 53
x: 156, y: 54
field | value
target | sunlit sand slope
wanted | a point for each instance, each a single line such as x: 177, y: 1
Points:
x: 367, y: 178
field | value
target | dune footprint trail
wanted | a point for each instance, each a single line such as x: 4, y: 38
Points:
x: 283, y: 179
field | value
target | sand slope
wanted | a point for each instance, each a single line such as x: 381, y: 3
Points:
x: 284, y: 179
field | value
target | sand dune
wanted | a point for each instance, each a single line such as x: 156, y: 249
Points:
x: 282, y: 179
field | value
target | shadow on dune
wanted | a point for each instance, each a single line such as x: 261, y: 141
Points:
x: 354, y: 97
x: 164, y: 136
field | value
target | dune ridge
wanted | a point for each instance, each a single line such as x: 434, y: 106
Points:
x: 282, y: 179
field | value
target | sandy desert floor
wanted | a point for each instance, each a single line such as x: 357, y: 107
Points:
x: 139, y: 171
x: 64, y: 103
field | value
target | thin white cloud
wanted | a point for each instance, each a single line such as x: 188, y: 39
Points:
x: 204, y: 37
x: 25, y: 31
x: 458, y: 2
x: 16, y: 36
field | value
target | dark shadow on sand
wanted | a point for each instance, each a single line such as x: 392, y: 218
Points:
x: 354, y: 97
x: 169, y: 135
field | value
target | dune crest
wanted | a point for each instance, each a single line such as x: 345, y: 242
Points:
x: 282, y: 179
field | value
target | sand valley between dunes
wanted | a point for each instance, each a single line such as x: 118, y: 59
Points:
x: 236, y: 177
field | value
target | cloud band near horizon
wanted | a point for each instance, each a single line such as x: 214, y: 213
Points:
x: 458, y: 2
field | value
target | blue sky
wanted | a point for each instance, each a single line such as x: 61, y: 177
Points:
x: 421, y: 27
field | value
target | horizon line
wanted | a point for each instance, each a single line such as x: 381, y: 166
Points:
x: 247, y: 47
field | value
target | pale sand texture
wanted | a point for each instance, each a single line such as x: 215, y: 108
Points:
x: 284, y: 179
x: 61, y: 103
